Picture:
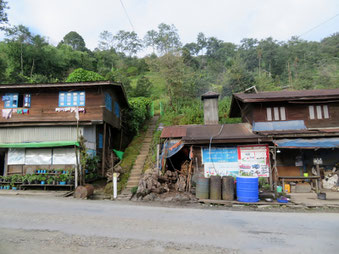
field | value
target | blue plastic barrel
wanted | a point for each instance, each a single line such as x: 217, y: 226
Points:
x: 247, y: 189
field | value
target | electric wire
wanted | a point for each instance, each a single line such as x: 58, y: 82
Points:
x: 315, y: 27
x: 129, y: 20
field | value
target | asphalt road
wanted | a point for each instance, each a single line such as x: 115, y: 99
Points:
x: 54, y: 225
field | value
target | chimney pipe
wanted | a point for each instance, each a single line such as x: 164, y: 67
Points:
x: 210, y: 100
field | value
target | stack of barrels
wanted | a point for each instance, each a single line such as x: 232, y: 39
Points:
x: 215, y: 188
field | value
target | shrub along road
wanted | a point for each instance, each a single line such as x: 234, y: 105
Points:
x: 54, y: 225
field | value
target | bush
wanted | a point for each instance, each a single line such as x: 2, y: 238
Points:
x: 134, y: 118
x: 81, y: 75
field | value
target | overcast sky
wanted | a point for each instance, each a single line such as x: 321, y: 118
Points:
x: 228, y: 20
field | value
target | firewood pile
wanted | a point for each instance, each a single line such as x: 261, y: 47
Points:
x: 155, y: 182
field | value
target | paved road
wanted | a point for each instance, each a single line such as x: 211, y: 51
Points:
x: 54, y: 225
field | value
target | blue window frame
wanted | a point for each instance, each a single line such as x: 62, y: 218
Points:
x: 116, y: 109
x: 101, y: 140
x: 15, y: 100
x: 72, y: 99
x: 108, y: 101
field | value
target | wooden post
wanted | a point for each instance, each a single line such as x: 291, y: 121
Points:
x: 76, y: 169
x: 158, y: 151
x: 271, y: 173
x: 103, y: 151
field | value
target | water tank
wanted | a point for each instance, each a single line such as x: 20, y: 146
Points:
x: 247, y: 188
x: 227, y: 188
x: 215, y: 187
x: 203, y: 187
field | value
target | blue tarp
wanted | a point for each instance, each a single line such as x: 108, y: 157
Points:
x: 279, y: 125
x: 308, y: 143
x: 169, y: 149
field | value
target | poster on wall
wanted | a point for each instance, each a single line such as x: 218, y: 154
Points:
x: 220, y: 161
x: 254, y: 160
x: 16, y: 156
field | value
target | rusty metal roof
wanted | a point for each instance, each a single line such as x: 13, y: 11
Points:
x: 288, y: 95
x: 174, y: 131
x: 220, y: 133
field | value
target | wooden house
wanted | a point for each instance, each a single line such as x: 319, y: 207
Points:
x: 303, y: 126
x: 40, y: 124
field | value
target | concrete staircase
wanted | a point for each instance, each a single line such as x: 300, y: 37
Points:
x: 139, y: 163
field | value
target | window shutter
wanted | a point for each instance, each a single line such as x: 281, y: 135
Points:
x: 269, y: 114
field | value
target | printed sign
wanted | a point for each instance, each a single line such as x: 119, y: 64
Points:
x: 254, y: 160
x: 221, y: 161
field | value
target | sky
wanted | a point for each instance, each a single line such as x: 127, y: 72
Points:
x: 228, y: 20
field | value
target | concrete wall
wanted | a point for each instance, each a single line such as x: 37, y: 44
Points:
x: 211, y: 111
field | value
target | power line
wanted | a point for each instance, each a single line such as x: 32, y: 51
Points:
x: 130, y: 22
x: 319, y: 25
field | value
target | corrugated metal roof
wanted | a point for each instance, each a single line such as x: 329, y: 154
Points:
x: 174, y: 131
x: 279, y: 125
x: 220, y: 132
x: 288, y: 95
x: 38, y: 134
x: 205, y: 132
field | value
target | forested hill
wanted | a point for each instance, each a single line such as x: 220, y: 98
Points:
x: 172, y: 71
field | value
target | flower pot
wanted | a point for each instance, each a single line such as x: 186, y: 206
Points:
x: 62, y: 183
x: 42, y: 182
x: 14, y: 188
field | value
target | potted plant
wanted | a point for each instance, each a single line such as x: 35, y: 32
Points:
x: 63, y: 179
x: 42, y: 179
x: 50, y: 180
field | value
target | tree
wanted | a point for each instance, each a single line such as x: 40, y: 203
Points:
x: 81, y: 75
x: 106, y: 41
x: 3, y: 14
x: 150, y: 39
x: 168, y: 38
x: 19, y: 38
x: 143, y: 87
x: 74, y: 40
x: 127, y: 42
x: 201, y: 42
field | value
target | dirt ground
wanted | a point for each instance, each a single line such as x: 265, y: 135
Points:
x: 37, y: 241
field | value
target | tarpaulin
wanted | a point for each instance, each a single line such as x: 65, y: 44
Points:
x: 308, y: 143
x: 169, y: 149
x: 120, y: 154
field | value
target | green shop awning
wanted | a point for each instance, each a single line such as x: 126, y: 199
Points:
x: 39, y: 144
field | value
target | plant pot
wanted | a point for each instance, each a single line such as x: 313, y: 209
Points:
x: 42, y: 182
x: 62, y: 183
x: 14, y: 188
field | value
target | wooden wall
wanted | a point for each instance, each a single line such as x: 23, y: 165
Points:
x: 299, y: 112
x: 44, y: 103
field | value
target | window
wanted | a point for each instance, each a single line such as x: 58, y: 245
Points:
x: 276, y: 114
x: 116, y: 109
x: 318, y: 112
x: 108, y: 101
x: 71, y: 99
x: 16, y: 100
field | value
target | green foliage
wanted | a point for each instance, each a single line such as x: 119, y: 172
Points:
x: 81, y: 75
x: 134, y: 119
x: 3, y: 14
x: 143, y: 87
x: 74, y: 40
